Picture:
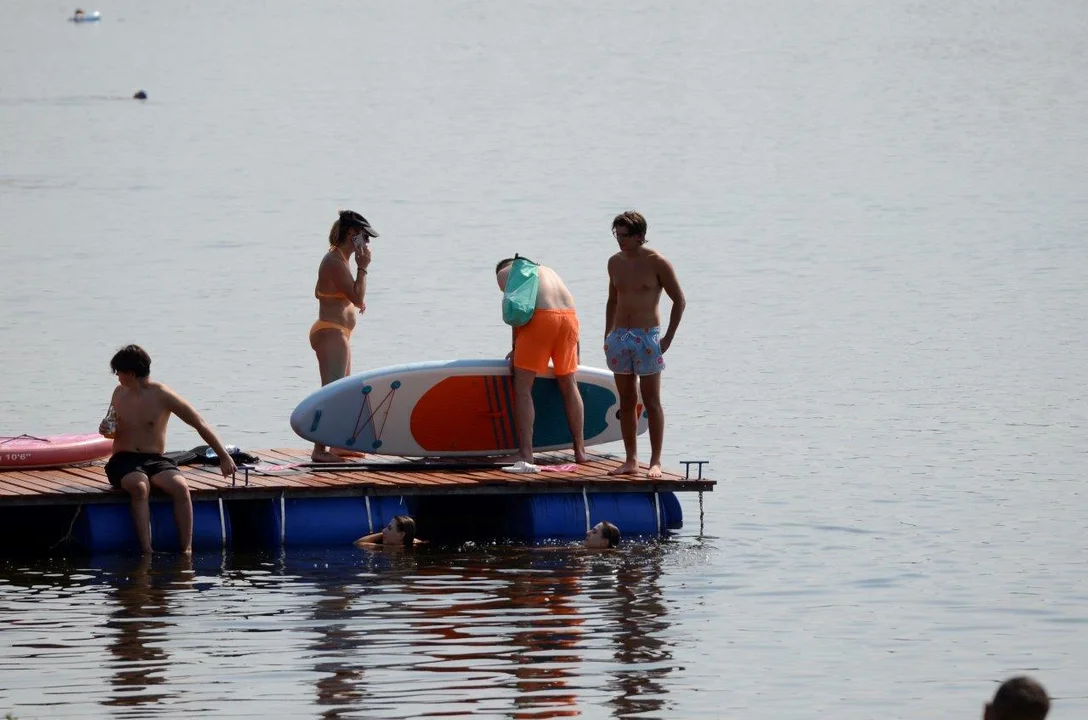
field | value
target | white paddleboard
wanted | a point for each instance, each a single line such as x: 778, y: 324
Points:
x: 452, y: 408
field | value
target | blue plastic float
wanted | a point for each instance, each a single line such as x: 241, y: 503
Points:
x: 338, y: 521
x: 107, y: 527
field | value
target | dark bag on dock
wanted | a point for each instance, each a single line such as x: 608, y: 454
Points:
x: 204, y: 455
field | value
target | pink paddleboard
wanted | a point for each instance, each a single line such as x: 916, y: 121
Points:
x: 28, y: 451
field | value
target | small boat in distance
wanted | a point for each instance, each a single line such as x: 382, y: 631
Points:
x: 81, y: 17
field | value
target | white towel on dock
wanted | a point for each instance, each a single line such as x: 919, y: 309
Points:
x: 522, y: 467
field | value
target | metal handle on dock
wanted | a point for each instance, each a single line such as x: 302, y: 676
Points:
x: 687, y: 468
x: 245, y: 471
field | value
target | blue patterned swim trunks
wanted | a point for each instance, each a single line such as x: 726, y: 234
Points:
x: 634, y: 350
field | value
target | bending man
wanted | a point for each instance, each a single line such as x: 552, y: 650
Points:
x: 552, y: 333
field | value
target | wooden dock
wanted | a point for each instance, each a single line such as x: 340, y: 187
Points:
x: 276, y: 476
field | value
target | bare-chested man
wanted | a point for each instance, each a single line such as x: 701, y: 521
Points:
x: 551, y: 334
x: 633, y: 343
x: 140, y: 409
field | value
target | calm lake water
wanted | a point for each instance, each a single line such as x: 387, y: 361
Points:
x: 877, y: 211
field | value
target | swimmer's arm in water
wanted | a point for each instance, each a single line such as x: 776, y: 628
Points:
x: 371, y: 539
x: 376, y: 540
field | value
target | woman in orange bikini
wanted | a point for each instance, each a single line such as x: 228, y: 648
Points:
x: 338, y: 296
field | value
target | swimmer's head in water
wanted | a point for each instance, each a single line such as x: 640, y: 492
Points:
x: 603, y: 535
x: 401, y: 530
x: 349, y: 225
x: 140, y: 95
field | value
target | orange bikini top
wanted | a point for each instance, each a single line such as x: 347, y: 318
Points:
x: 333, y: 295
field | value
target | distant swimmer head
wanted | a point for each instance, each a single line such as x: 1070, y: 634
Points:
x: 79, y: 12
x: 140, y: 95
x: 603, y: 535
x: 349, y: 221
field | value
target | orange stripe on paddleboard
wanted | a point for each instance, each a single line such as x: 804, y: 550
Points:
x: 504, y: 392
x: 460, y: 414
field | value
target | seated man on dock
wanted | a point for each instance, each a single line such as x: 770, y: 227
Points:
x: 136, y: 421
x: 551, y: 333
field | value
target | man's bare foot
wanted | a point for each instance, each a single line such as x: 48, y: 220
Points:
x: 324, y: 456
x: 581, y: 458
x: 654, y: 471
x: 628, y: 468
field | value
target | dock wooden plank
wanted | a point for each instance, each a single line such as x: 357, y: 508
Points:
x: 303, y: 477
x: 49, y: 484
x: 353, y: 478
x: 92, y: 473
x: 78, y: 479
x: 204, y: 478
x: 10, y: 488
x: 383, y: 475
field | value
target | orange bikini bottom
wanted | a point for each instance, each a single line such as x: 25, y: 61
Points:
x: 326, y: 325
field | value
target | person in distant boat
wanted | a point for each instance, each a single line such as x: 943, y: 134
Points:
x: 633, y: 344
x: 78, y: 15
x: 1018, y: 698
x: 400, y: 532
x: 139, y: 411
x: 602, y: 536
x: 339, y: 295
x: 551, y: 334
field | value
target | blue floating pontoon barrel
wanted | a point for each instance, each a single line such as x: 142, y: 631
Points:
x: 333, y: 521
x: 563, y: 515
x: 107, y: 527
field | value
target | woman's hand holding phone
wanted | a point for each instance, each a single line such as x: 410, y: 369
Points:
x: 362, y: 252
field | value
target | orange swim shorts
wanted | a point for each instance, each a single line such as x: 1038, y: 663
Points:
x: 550, y: 334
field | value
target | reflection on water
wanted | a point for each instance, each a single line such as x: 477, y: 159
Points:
x: 539, y: 633
x: 139, y: 626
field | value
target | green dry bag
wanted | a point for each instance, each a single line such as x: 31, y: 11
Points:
x: 519, y: 298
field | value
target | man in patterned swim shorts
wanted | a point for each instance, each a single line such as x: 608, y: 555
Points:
x: 633, y: 343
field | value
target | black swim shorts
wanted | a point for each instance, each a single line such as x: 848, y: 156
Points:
x: 149, y: 464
